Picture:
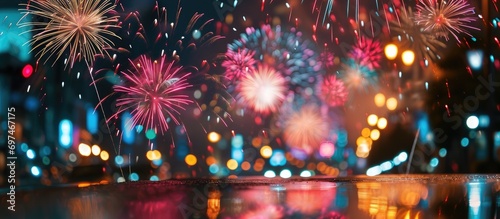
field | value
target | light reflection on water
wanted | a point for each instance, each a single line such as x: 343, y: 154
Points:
x: 394, y: 196
x: 480, y: 197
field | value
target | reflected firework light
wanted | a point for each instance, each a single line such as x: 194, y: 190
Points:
x: 309, y: 198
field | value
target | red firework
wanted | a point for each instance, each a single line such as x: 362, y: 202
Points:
x: 367, y: 52
x: 238, y: 63
x: 332, y: 91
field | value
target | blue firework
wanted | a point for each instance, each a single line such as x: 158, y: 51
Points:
x: 286, y: 51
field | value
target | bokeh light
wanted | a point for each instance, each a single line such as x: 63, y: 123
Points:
x: 232, y: 164
x: 30, y: 154
x: 365, y: 132
x: 266, y: 151
x: 153, y: 155
x: 210, y: 160
x: 375, y: 134
x: 84, y: 149
x: 472, y: 122
x: 35, y: 171
x: 408, y: 57
x: 27, y: 71
x: 285, y: 174
x: 246, y: 165
x: 327, y: 149
x: 190, y: 160
x: 270, y: 174
x: 379, y: 100
x: 104, y: 155
x: 372, y: 120
x: 382, y: 123
x: 391, y: 51
x: 392, y: 103
x: 214, y: 137
x: 96, y: 150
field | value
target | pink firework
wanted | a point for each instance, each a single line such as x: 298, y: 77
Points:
x: 332, y: 91
x: 444, y: 17
x: 263, y: 90
x: 306, y: 129
x: 238, y: 63
x: 367, y: 52
x: 327, y: 59
x: 153, y: 92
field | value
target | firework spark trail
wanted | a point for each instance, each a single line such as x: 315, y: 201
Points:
x: 445, y: 17
x: 153, y: 93
x: 80, y: 26
x: 168, y: 35
x: 328, y: 10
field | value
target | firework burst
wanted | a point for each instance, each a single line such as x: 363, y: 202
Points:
x: 332, y: 91
x: 263, y: 90
x: 78, y: 26
x: 356, y: 76
x: 414, y: 36
x: 238, y: 64
x: 327, y: 59
x: 367, y: 52
x: 152, y: 91
x: 306, y: 129
x: 284, y: 50
x: 446, y: 17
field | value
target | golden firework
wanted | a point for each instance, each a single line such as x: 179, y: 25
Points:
x: 78, y: 26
